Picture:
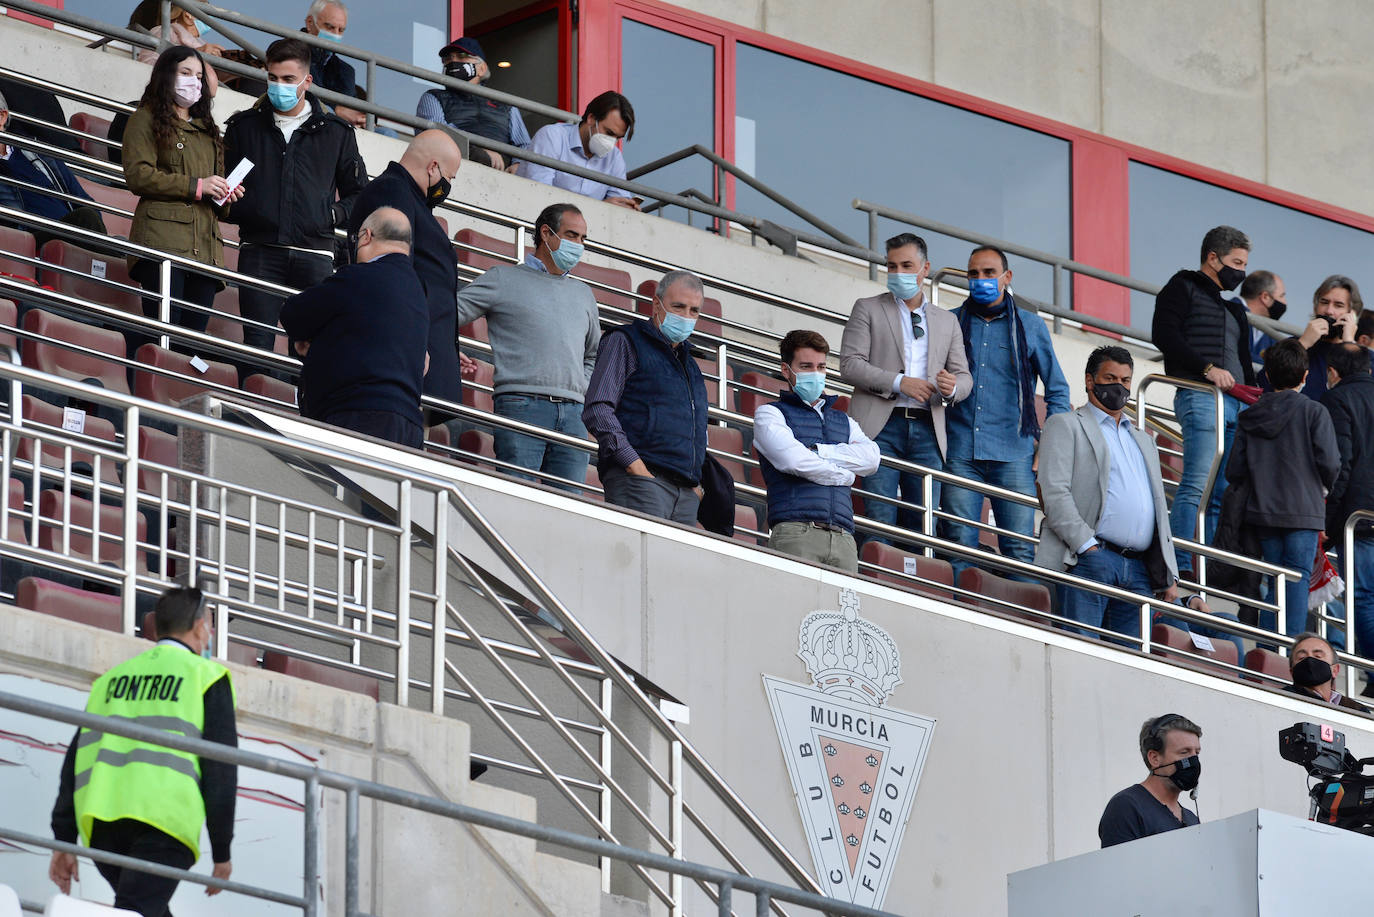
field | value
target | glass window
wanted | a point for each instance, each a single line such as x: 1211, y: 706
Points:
x: 823, y: 138
x: 408, y: 30
x: 1170, y: 214
x: 671, y: 81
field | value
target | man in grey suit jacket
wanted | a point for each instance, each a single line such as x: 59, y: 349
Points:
x: 1105, y: 515
x: 906, y: 361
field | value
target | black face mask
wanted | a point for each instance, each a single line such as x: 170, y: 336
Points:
x: 460, y: 69
x: 437, y: 193
x: 1277, y: 308
x: 1185, y: 774
x: 1112, y: 395
x: 1230, y: 277
x: 1333, y: 330
x: 1311, y: 671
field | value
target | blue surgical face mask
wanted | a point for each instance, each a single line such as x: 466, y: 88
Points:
x: 202, y: 27
x: 566, y: 255
x: 676, y: 328
x: 809, y: 386
x: 283, y: 96
x: 983, y: 290
x: 904, y: 286
x: 332, y: 36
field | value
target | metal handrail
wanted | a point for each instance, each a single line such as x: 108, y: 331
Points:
x: 1348, y: 558
x: 317, y: 778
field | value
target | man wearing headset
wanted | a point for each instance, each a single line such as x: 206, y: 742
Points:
x: 1170, y: 745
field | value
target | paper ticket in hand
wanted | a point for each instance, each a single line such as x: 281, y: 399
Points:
x: 235, y: 179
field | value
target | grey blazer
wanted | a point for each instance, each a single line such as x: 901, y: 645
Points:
x: 1074, y: 464
x: 871, y: 353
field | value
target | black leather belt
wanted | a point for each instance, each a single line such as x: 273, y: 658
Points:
x: 913, y: 413
x: 553, y: 398
x: 1128, y: 553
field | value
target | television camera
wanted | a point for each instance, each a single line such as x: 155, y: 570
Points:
x: 1343, y: 795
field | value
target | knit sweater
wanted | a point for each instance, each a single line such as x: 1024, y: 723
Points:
x: 544, y: 330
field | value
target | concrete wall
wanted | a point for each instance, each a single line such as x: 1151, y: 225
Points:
x: 411, y: 862
x: 1270, y: 91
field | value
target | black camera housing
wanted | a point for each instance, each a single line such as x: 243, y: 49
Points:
x: 1320, y: 749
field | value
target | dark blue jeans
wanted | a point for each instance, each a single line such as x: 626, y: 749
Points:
x: 536, y: 454
x: 1109, y: 568
x: 968, y: 504
x: 914, y: 441
x: 1198, y: 417
x: 1296, y: 548
x: 1359, y: 597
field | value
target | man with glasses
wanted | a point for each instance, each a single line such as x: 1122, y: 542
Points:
x: 905, y: 359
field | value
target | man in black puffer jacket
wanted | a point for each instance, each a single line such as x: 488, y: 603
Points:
x: 1204, y: 338
x: 306, y: 174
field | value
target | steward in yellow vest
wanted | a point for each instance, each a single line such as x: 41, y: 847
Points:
x: 141, y: 799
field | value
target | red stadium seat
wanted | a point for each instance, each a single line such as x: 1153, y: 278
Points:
x: 476, y: 443
x: 841, y: 404
x: 81, y: 512
x: 746, y: 522
x: 116, y: 224
x: 474, y: 397
x: 90, y: 608
x: 320, y: 673
x: 709, y: 306
x: 50, y: 415
x: 9, y: 318
x: 594, y: 480
x: 728, y: 439
x: 477, y: 240
x: 988, y: 589
x: 886, y: 556
x: 90, y: 267
x: 1173, y: 643
x: 17, y: 242
x: 749, y: 402
x: 96, y: 127
x: 173, y: 391
x: 618, y: 280
x: 14, y: 531
x: 224, y: 322
x: 69, y: 364
x: 270, y: 387
x: 476, y: 330
x: 1268, y: 662
x: 156, y: 446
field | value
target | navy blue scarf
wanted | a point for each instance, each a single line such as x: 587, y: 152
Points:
x: 1020, y: 355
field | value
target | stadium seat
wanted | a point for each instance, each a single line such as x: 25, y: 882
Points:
x: 614, y: 278
x: 17, y: 242
x: 69, y: 364
x: 49, y: 598
x: 474, y: 397
x: 841, y: 404
x: 476, y: 330
x: 50, y: 415
x: 270, y: 387
x: 81, y: 512
x: 15, y: 530
x: 115, y: 224
x: 709, y: 306
x: 1173, y: 643
x: 156, y: 446
x: 9, y: 318
x: 438, y: 440
x: 987, y: 588
x: 87, y: 267
x: 1268, y: 662
x: 224, y: 323
x: 476, y: 443
x: 937, y: 571
x: 173, y: 391
x: 96, y: 127
x: 749, y: 402
x: 730, y: 440
x: 320, y: 673
x: 746, y: 522
x: 594, y: 480
x: 477, y: 240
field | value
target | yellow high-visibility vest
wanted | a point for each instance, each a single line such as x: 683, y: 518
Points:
x: 117, y: 777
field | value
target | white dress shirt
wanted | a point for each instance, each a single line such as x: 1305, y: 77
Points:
x: 917, y: 354
x: 1128, y: 513
x: 831, y: 465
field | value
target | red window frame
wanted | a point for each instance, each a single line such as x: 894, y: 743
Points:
x: 1099, y: 165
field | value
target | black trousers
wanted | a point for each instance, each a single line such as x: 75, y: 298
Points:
x: 188, y: 287
x: 275, y: 264
x: 138, y: 891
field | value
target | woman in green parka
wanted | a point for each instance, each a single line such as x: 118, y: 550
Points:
x: 173, y: 161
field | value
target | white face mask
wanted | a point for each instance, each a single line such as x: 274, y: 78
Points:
x: 601, y: 144
x: 187, y: 90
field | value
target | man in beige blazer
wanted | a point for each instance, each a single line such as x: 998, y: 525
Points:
x: 906, y: 361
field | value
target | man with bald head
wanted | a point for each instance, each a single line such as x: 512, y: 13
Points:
x: 362, y: 334
x: 415, y: 186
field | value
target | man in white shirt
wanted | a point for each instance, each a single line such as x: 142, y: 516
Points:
x: 809, y: 454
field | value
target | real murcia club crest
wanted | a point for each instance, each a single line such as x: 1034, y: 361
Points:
x: 854, y: 762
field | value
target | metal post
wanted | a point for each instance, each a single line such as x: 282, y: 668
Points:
x: 675, y: 821
x: 928, y: 513
x: 1145, y: 622
x: 1281, y: 599
x: 723, y: 903
x: 1348, y: 568
x: 762, y: 903
x: 310, y: 864
x: 403, y: 597
x: 439, y: 645
x: 164, y: 271
x: 723, y: 390
x: 1059, y: 285
x: 520, y: 244
x: 872, y: 243
x: 351, y: 852
x: 132, y: 433
x: 371, y: 90
x: 607, y: 747
x: 165, y: 14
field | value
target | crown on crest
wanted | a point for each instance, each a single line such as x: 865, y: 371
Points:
x: 848, y: 656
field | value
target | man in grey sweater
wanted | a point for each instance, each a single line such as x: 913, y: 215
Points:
x: 544, y: 331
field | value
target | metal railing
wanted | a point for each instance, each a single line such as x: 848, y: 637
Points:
x: 1348, y: 572
x: 315, y: 779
